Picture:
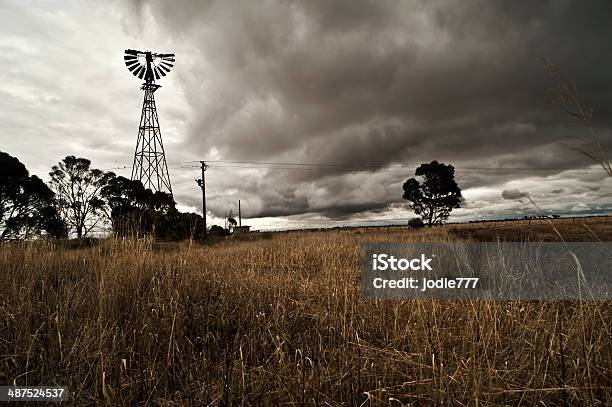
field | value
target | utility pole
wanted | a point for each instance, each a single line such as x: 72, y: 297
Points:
x: 201, y: 183
x: 239, y: 215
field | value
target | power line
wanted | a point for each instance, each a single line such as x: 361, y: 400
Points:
x: 184, y: 162
x: 410, y: 170
x: 124, y: 167
x: 264, y: 163
x: 379, y: 168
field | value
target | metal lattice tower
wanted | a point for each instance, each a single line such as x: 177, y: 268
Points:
x: 150, y: 165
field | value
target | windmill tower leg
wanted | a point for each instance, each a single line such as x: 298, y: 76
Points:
x: 150, y: 165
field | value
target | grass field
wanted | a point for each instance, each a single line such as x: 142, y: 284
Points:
x: 278, y: 319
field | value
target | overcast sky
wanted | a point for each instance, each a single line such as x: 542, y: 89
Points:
x: 383, y: 84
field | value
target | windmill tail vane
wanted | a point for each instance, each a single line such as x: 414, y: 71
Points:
x: 150, y: 165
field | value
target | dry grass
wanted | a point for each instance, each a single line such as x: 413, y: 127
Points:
x: 280, y: 320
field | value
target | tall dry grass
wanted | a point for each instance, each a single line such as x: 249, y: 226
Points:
x: 280, y: 320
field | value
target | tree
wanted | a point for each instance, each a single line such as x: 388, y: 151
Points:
x: 180, y: 226
x: 27, y: 205
x: 135, y: 209
x: 127, y: 202
x: 416, y: 223
x: 435, y: 198
x: 77, y: 188
x: 216, y: 230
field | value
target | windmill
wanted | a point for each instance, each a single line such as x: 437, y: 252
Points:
x: 149, y: 157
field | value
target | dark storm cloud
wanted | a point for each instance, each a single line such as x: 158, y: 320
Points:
x: 382, y: 83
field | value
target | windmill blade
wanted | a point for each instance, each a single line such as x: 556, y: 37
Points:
x: 165, y: 55
x: 136, y: 71
x: 139, y: 72
x: 160, y: 60
x: 132, y: 62
x: 168, y: 64
x: 159, y: 72
x: 156, y: 73
x: 164, y: 68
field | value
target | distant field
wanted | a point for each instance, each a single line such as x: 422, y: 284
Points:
x: 571, y: 229
x: 277, y: 318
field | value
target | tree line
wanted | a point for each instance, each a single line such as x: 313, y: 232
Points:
x: 80, y: 200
